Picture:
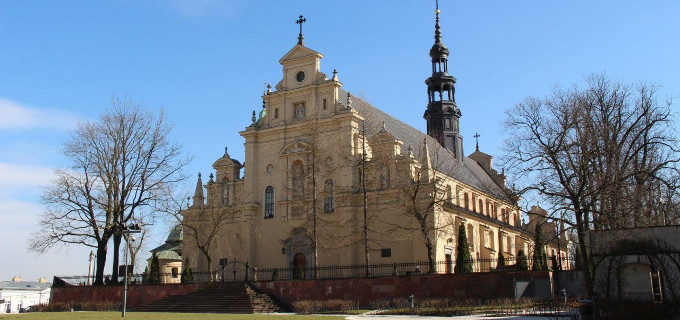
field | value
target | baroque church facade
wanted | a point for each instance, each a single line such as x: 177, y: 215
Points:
x: 328, y: 179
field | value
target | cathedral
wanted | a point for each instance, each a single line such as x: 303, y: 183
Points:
x: 329, y: 179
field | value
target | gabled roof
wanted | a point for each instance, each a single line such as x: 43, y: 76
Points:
x: 468, y: 171
x: 299, y: 51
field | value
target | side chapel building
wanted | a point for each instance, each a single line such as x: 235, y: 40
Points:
x: 309, y: 154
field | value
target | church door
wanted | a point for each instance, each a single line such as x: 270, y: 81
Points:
x: 299, y: 266
x: 449, y: 262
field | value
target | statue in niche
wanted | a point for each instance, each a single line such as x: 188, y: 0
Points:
x: 300, y: 110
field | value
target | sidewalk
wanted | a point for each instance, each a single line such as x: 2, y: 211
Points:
x: 477, y: 317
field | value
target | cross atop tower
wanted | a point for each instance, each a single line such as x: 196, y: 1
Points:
x: 300, y: 21
x: 477, y: 138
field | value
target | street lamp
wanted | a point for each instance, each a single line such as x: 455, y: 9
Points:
x: 126, y: 231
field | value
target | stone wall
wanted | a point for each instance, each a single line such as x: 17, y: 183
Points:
x: 364, y: 290
x: 138, y: 295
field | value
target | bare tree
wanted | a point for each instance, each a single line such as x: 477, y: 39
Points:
x: 120, y: 164
x: 422, y: 197
x: 596, y: 153
x: 205, y: 225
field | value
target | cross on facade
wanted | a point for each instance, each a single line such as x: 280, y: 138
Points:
x: 300, y: 21
x: 477, y: 138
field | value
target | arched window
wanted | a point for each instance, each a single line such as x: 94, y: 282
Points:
x: 225, y: 195
x: 269, y: 202
x: 298, y: 179
x: 329, y: 201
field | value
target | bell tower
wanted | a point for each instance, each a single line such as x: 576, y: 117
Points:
x: 442, y: 114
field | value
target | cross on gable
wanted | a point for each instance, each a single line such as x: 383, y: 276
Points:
x: 477, y: 138
x: 300, y: 21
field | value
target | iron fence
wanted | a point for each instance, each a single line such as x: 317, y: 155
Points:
x: 245, y: 272
x: 401, y: 269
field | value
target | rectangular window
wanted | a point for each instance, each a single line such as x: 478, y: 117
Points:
x: 324, y: 104
x: 386, y: 253
x: 276, y: 113
x: 175, y: 272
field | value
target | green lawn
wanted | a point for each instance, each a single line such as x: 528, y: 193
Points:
x: 153, y: 315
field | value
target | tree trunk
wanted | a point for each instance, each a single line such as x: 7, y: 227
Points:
x: 101, y: 262
x: 208, y: 260
x: 116, y: 256
x: 585, y: 254
x: 430, y: 256
x: 314, y: 213
x: 210, y: 270
x: 367, y: 256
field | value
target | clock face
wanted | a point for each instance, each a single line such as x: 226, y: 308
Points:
x: 300, y: 76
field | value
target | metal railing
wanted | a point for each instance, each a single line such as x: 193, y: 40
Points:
x: 399, y: 269
x: 245, y: 272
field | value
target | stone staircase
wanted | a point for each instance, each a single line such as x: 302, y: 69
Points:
x: 219, y: 297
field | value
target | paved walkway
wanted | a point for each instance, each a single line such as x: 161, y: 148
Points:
x: 477, y: 317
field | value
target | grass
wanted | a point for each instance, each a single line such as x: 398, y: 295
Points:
x: 86, y: 315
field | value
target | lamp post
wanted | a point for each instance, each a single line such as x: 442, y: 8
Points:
x: 126, y: 231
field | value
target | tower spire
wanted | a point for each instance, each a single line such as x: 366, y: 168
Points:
x: 198, y: 193
x: 437, y: 32
x: 442, y: 113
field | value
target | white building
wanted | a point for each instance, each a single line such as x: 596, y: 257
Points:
x: 18, y: 294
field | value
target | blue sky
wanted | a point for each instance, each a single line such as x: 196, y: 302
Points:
x: 206, y: 63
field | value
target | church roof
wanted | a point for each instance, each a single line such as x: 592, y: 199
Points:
x: 24, y: 285
x: 172, y: 248
x: 176, y: 234
x: 468, y: 171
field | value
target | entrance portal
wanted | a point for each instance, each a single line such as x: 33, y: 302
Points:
x: 449, y: 263
x: 299, y: 266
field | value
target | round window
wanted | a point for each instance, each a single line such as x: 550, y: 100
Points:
x: 300, y: 76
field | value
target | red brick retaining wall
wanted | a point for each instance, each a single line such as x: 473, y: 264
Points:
x: 138, y: 295
x: 364, y: 290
